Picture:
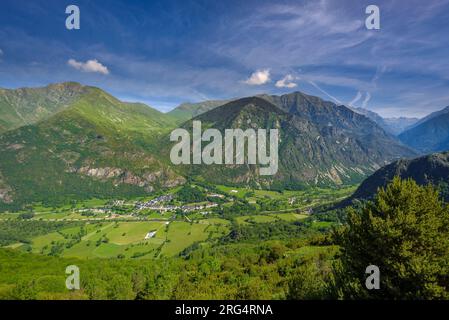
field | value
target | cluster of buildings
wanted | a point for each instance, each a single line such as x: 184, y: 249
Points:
x: 118, y: 203
x: 215, y: 195
x: 156, y: 203
x: 159, y: 204
x: 198, y: 207
x: 95, y: 210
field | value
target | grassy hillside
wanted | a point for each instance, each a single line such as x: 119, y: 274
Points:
x: 187, y: 111
x: 26, y: 106
x: 97, y: 147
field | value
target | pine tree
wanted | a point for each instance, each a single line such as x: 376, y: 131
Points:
x: 404, y: 232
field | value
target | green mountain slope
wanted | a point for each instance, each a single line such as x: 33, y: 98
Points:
x: 25, y: 106
x: 98, y: 146
x: 187, y: 111
x: 432, y: 168
x: 320, y: 143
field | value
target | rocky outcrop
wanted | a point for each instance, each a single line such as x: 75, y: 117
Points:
x: 147, y: 180
x: 5, y: 195
x: 5, y: 191
x: 100, y: 173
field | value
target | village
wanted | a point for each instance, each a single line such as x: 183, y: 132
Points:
x: 193, y: 202
x: 159, y: 204
x: 157, y: 208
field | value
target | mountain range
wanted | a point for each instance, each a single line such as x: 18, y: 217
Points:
x: 430, y: 134
x: 320, y: 143
x: 394, y: 126
x: 433, y: 168
x: 96, y: 146
x: 29, y: 105
x: 69, y: 141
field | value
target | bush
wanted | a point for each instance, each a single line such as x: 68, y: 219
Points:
x: 26, y: 215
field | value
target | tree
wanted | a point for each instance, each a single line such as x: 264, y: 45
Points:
x: 24, y: 290
x: 308, y: 283
x: 405, y: 232
x: 120, y: 288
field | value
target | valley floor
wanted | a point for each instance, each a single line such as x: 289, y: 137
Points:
x: 168, y: 228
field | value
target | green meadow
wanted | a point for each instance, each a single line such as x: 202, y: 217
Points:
x: 126, y: 239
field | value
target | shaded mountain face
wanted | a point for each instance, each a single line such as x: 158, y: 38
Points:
x: 393, y: 126
x: 432, y: 168
x: 25, y: 106
x: 373, y: 116
x: 325, y: 115
x: 429, y: 135
x: 96, y: 147
x: 320, y: 143
x: 398, y: 125
x: 429, y: 117
x: 187, y: 111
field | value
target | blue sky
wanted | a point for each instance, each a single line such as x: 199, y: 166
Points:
x: 167, y: 52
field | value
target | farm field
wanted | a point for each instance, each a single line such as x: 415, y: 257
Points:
x: 126, y: 239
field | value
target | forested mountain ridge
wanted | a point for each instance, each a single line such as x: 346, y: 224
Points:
x: 320, y: 143
x: 24, y: 106
x: 433, y: 168
x: 95, y: 145
x: 98, y: 146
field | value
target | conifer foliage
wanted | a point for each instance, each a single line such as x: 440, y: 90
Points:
x: 405, y: 232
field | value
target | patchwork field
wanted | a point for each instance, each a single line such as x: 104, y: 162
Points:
x: 139, y: 239
x: 116, y: 229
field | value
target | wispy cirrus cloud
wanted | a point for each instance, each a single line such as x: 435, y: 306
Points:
x: 366, y: 100
x: 357, y: 97
x: 182, y: 54
x: 326, y: 93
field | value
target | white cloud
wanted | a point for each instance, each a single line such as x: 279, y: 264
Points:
x: 259, y: 77
x: 356, y: 98
x: 88, y: 66
x: 287, y: 82
x: 1, y: 52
